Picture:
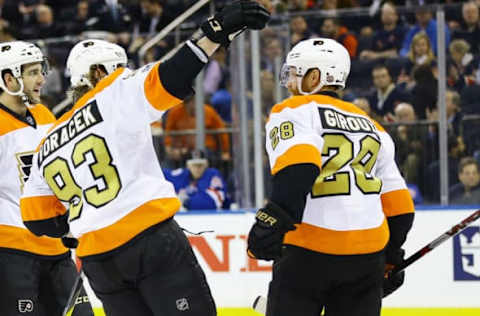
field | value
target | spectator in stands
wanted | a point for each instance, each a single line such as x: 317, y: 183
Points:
x: 9, y: 12
x: 386, y: 94
x: 272, y: 49
x: 364, y: 105
x: 456, y: 150
x: 461, y: 65
x: 420, y: 53
x: 154, y: 17
x: 425, y: 23
x: 182, y: 117
x: 410, y: 143
x: 386, y: 41
x: 80, y: 19
x: 45, y: 26
x: 198, y: 186
x: 470, y: 29
x: 267, y: 85
x: 332, y: 29
x: 468, y: 190
x: 299, y: 30
x: 222, y: 103
x: 216, y: 73
x: 425, y: 90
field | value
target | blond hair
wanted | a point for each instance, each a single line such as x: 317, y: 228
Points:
x: 411, y: 53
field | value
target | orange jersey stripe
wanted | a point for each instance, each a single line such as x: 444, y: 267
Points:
x: 397, y: 202
x: 39, y: 208
x: 336, y: 242
x: 296, y: 155
x: 21, y: 239
x: 119, y: 233
x: 296, y: 101
x: 156, y: 94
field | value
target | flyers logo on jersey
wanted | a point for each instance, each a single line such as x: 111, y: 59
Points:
x: 24, y: 165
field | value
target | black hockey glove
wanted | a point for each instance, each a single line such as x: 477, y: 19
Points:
x: 392, y: 282
x: 233, y: 19
x: 265, y: 239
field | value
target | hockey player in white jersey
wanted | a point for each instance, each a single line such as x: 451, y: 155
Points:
x: 36, y: 273
x: 339, y: 211
x: 97, y: 176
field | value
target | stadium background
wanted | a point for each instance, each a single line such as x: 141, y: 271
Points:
x: 436, y: 135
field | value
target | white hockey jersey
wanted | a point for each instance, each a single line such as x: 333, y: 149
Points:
x: 359, y: 183
x: 18, y: 140
x: 99, y: 161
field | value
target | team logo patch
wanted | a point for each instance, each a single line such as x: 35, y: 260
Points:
x: 24, y: 164
x: 466, y: 255
x: 25, y: 306
x: 182, y: 304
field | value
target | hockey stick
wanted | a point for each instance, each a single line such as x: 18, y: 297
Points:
x: 437, y: 241
x: 260, y: 303
x: 70, y: 242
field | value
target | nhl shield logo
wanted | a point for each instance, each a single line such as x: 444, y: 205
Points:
x: 25, y: 306
x: 182, y: 304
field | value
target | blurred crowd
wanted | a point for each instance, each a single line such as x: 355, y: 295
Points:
x: 394, y: 75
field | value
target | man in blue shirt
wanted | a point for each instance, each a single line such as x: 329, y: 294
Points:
x: 198, y: 186
x: 425, y: 22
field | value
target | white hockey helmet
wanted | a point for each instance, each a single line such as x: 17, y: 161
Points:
x: 324, y: 54
x: 93, y: 52
x: 13, y: 55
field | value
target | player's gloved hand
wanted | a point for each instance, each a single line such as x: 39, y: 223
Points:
x: 233, y: 19
x: 392, y: 282
x: 265, y: 239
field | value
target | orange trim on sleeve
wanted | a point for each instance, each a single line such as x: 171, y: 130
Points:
x: 39, y: 208
x: 119, y: 233
x: 296, y: 155
x: 397, y: 202
x: 156, y: 94
x: 12, y: 237
x: 335, y: 242
x: 296, y: 101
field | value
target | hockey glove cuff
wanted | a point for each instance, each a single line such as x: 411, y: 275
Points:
x: 233, y: 19
x: 265, y: 239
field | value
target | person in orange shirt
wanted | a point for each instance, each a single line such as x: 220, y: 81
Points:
x: 182, y: 117
x: 331, y: 28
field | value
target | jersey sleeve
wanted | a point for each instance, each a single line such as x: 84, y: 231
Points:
x: 164, y: 85
x: 42, y: 212
x: 291, y: 138
x: 145, y: 82
x: 396, y: 199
